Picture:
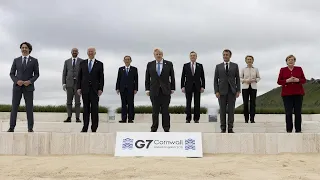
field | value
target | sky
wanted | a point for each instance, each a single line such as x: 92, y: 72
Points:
x: 269, y: 30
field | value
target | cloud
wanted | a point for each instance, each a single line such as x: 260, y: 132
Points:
x: 268, y: 30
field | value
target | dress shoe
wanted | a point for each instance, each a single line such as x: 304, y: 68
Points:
x: 123, y: 121
x: 130, y: 121
x: 223, y: 131
x: 230, y: 131
x: 67, y: 120
x: 78, y: 120
x: 196, y: 121
x: 187, y: 121
x: 83, y: 130
x: 10, y: 130
x: 246, y: 121
x: 30, y: 130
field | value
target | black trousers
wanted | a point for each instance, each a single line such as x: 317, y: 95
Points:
x: 90, y: 106
x: 160, y: 103
x: 196, y: 94
x: 16, y: 99
x: 127, y: 105
x: 293, y: 104
x: 249, y: 95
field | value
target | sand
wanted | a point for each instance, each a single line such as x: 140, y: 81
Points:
x: 213, y: 167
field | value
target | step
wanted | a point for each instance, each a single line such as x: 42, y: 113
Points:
x: 60, y: 117
x: 104, y: 127
x: 46, y: 143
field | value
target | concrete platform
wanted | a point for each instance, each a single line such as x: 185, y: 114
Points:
x: 34, y: 144
x: 209, y: 127
x: 60, y: 117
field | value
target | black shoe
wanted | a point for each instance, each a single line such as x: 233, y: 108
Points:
x: 246, y: 121
x: 253, y: 121
x: 166, y: 131
x: 196, y: 121
x: 78, y: 120
x: 67, y: 120
x: 30, y: 130
x: 123, y: 121
x: 84, y: 130
x: 187, y: 121
x: 230, y: 131
x: 223, y: 131
x: 130, y: 121
x: 10, y: 130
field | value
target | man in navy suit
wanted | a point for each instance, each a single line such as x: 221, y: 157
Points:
x: 24, y: 73
x: 127, y: 87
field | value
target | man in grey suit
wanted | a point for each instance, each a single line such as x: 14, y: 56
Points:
x: 227, y: 89
x: 69, y: 83
x: 24, y: 72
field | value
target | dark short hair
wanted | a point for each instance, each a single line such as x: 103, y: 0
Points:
x: 227, y: 50
x: 193, y: 52
x: 27, y: 44
x: 127, y: 56
x: 249, y: 56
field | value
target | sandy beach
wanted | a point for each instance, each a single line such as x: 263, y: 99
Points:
x: 224, y: 167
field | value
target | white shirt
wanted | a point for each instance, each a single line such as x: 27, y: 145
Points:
x: 249, y: 74
x: 194, y: 66
x: 127, y: 68
x: 161, y: 65
x: 27, y: 57
x: 93, y: 60
x: 225, y: 65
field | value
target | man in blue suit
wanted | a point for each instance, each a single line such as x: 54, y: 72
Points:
x: 24, y: 73
x: 127, y: 87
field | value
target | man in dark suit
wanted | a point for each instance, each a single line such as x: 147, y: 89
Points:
x: 127, y: 87
x: 227, y: 89
x: 159, y: 85
x: 69, y: 83
x: 193, y: 84
x: 24, y: 73
x: 90, y: 86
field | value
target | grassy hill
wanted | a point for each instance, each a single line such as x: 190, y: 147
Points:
x: 271, y: 102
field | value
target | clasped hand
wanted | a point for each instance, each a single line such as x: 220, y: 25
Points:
x: 292, y: 79
x: 26, y: 83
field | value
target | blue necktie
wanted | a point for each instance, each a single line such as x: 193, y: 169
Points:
x: 90, y: 66
x: 127, y: 71
x: 158, y: 69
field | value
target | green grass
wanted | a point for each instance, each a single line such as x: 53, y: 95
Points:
x: 271, y: 102
x: 268, y: 103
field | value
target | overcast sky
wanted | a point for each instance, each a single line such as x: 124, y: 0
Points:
x: 267, y: 29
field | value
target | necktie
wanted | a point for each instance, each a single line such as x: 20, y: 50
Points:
x: 158, y: 69
x: 127, y: 71
x: 192, y: 68
x: 24, y: 64
x: 74, y: 63
x: 227, y: 68
x: 90, y: 66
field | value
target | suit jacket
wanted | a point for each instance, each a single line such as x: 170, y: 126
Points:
x: 187, y: 79
x: 31, y: 72
x: 248, y: 74
x: 224, y: 82
x: 94, y: 79
x: 129, y: 81
x: 166, y: 80
x: 69, y: 73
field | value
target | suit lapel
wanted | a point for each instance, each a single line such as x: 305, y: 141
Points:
x: 153, y: 67
x: 28, y: 62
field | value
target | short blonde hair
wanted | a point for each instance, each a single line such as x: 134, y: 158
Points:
x: 157, y: 50
x: 291, y: 56
x: 249, y: 56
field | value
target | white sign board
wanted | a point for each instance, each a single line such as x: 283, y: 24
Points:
x: 159, y: 144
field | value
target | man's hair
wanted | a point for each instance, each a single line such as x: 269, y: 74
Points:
x: 27, y: 44
x: 127, y: 56
x: 227, y: 50
x: 193, y: 52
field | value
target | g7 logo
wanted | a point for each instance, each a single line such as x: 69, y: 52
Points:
x: 141, y: 143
